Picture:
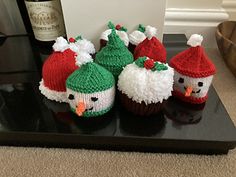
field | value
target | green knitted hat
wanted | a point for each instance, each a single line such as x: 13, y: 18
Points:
x: 90, y: 90
x: 90, y: 78
x: 115, y: 55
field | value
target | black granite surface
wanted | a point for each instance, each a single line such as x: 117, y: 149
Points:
x: 27, y: 118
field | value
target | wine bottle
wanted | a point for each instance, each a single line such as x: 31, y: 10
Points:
x: 46, y: 19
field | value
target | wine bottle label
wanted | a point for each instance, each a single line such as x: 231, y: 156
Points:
x: 46, y: 19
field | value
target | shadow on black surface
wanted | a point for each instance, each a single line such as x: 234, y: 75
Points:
x: 18, y: 108
x: 68, y: 122
x: 183, y: 113
x: 141, y: 126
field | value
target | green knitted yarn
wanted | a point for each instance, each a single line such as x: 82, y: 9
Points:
x: 90, y: 78
x: 115, y: 55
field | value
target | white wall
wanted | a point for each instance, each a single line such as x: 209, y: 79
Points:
x: 90, y: 17
x: 195, y: 16
x: 230, y: 7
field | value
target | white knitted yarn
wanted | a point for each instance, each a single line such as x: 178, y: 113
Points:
x: 85, y: 45
x: 122, y: 34
x: 60, y: 45
x: 105, y: 99
x: 150, y: 32
x: 140, y: 84
x: 192, y: 82
x: 52, y: 94
x: 83, y: 58
x: 136, y: 37
x: 195, y: 40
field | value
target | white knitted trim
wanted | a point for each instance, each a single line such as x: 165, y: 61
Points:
x: 85, y: 45
x: 150, y: 31
x: 140, y: 84
x: 52, y: 94
x: 105, y: 99
x: 195, y: 40
x: 60, y: 45
x: 122, y: 34
x: 192, y: 82
x: 136, y: 37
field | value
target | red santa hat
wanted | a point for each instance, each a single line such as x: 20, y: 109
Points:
x: 193, y: 62
x: 151, y: 47
x: 58, y: 66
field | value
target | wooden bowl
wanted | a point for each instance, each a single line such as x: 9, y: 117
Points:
x: 226, y: 41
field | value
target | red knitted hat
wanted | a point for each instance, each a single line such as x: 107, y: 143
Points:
x: 193, y: 72
x: 58, y: 66
x: 151, y: 47
x: 193, y: 62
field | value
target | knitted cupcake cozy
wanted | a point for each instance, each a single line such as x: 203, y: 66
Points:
x: 115, y: 55
x: 193, y: 72
x: 151, y: 46
x: 144, y: 85
x: 120, y: 31
x: 90, y: 89
x: 58, y: 66
x: 136, y: 37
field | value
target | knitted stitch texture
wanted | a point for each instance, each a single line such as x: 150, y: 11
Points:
x: 115, y: 55
x: 91, y: 90
x: 57, y: 68
x: 193, y: 62
x: 90, y: 78
x: 152, y: 48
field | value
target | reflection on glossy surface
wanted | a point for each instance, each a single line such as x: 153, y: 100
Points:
x: 19, y: 108
x: 182, y: 112
x: 141, y: 126
x: 68, y: 122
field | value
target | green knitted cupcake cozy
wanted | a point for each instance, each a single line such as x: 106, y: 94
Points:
x: 90, y: 78
x: 90, y: 90
x: 115, y: 55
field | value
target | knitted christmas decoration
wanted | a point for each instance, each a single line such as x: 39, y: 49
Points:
x: 114, y: 56
x: 144, y: 86
x: 120, y: 31
x: 193, y: 72
x: 82, y: 44
x: 58, y: 66
x: 136, y: 37
x: 151, y: 47
x: 90, y: 89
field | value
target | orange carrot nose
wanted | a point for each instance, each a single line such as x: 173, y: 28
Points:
x: 188, y: 91
x: 80, y: 108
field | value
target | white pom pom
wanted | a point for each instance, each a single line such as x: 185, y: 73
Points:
x: 74, y: 47
x: 60, y: 45
x: 86, y: 46
x: 150, y: 32
x: 83, y: 58
x: 195, y: 40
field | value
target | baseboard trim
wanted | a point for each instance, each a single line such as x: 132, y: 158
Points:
x: 193, y: 17
x: 229, y: 5
x: 190, y: 21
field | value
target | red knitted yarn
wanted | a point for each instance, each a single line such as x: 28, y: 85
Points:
x: 190, y: 99
x: 57, y: 68
x: 193, y: 62
x: 152, y: 48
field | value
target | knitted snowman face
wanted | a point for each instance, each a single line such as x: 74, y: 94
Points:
x: 90, y: 90
x: 189, y: 86
x: 93, y: 102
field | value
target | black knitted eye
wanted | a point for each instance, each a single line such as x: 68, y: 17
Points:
x: 71, y: 97
x: 94, y: 99
x: 200, y: 84
x: 181, y: 80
